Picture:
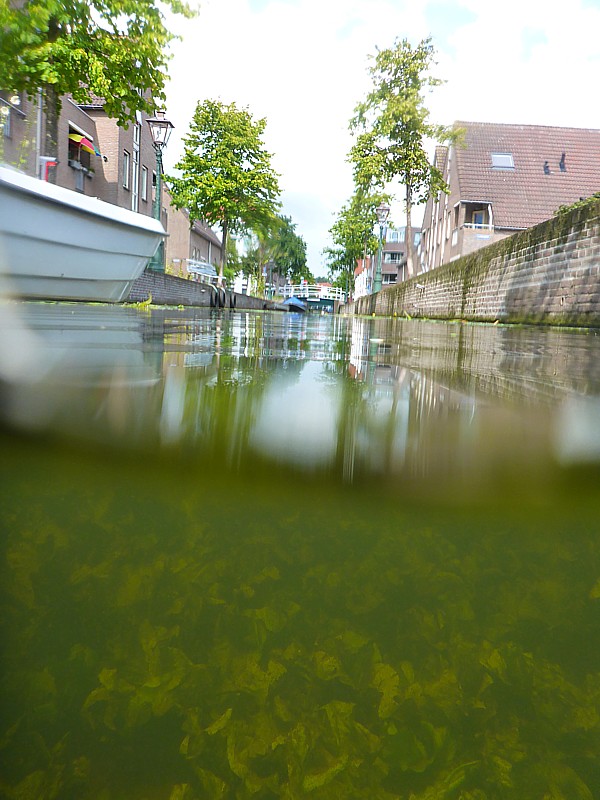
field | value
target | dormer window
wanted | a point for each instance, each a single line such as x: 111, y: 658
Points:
x: 502, y: 161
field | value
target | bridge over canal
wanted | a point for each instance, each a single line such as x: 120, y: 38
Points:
x: 315, y: 297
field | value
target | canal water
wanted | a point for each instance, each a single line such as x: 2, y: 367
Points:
x: 252, y: 555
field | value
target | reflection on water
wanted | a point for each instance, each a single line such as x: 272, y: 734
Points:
x: 277, y: 556
x: 358, y: 399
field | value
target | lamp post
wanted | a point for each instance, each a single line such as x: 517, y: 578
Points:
x: 160, y: 130
x: 382, y: 212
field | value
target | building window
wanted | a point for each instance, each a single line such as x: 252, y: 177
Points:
x: 135, y: 179
x: 502, y: 161
x: 126, y: 168
x: 79, y: 150
x: 393, y: 258
x: 135, y: 163
x: 144, y: 188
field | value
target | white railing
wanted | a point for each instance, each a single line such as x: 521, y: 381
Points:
x: 308, y: 291
x: 201, y: 271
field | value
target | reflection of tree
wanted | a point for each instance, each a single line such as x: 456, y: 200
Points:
x: 419, y: 400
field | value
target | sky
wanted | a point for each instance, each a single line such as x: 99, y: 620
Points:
x: 303, y: 66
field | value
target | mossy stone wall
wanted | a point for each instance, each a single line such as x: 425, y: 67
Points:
x: 547, y: 274
x: 169, y: 290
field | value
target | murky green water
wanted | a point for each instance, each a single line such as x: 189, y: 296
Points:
x: 256, y: 556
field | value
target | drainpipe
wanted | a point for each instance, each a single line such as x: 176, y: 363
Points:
x: 38, y: 136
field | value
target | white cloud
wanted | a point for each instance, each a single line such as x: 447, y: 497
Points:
x: 302, y: 64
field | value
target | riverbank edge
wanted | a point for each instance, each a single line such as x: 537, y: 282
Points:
x: 168, y: 290
x: 548, y: 274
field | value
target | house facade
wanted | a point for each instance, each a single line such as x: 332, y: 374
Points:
x: 393, y: 262
x: 98, y: 157
x: 503, y: 179
x: 189, y: 243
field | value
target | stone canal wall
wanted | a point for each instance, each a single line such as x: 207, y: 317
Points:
x: 169, y: 290
x: 547, y: 274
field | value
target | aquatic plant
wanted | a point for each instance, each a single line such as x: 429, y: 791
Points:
x: 224, y: 642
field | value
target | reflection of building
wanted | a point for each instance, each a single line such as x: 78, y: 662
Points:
x: 359, y: 347
x: 98, y: 157
x: 393, y: 262
x: 502, y: 179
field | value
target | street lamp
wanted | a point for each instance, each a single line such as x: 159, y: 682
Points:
x: 160, y: 130
x: 382, y: 212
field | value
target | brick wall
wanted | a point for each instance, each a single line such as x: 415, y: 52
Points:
x: 547, y: 274
x: 168, y: 290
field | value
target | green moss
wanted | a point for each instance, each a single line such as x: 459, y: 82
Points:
x: 471, y: 270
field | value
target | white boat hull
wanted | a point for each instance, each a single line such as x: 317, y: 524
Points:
x: 58, y: 244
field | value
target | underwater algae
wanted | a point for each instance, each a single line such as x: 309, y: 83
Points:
x: 169, y: 636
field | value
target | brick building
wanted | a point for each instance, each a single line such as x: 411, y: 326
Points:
x: 503, y: 179
x: 98, y: 157
x: 195, y: 242
x: 393, y: 262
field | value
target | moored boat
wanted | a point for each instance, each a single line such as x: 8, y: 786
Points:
x: 58, y: 244
x: 294, y: 304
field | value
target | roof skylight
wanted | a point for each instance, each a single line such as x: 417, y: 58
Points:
x: 502, y: 161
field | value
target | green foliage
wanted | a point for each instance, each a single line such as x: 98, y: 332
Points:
x: 275, y: 249
x: 114, y: 49
x: 583, y: 203
x: 163, y: 642
x: 393, y: 125
x: 289, y: 252
x: 352, y: 236
x: 233, y: 261
x: 226, y: 177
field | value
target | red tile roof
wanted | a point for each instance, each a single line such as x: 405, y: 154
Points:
x: 526, y: 195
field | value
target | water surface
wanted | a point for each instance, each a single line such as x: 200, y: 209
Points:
x: 278, y: 556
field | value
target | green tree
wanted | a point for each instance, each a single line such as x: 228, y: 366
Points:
x: 275, y: 249
x: 114, y: 49
x: 256, y: 257
x: 352, y: 236
x: 393, y: 124
x: 226, y: 177
x: 233, y: 260
x: 289, y: 252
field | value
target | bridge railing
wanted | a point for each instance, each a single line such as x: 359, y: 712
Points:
x: 309, y: 291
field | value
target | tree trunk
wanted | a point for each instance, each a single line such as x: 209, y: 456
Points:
x: 50, y: 147
x: 223, y: 262
x: 410, y: 269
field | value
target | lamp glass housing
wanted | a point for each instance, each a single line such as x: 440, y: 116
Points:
x: 160, y: 129
x: 382, y: 212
